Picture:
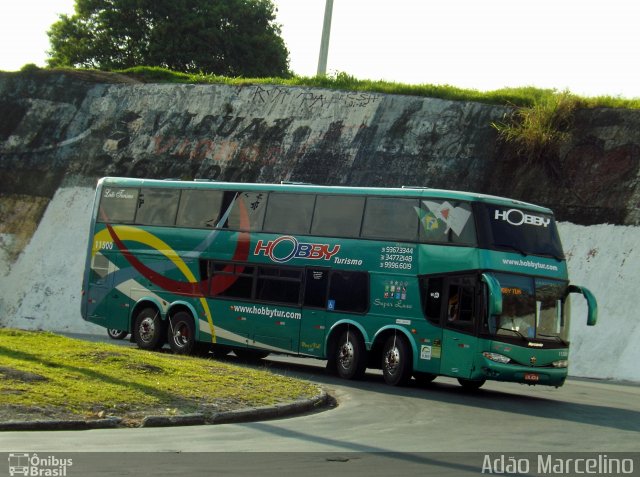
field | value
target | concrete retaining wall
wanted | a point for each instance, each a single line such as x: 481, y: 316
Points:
x: 60, y: 132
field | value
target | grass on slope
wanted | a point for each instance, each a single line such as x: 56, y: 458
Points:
x: 50, y: 376
x: 525, y: 96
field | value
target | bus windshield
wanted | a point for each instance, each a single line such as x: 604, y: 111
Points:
x: 517, y: 230
x: 532, y: 308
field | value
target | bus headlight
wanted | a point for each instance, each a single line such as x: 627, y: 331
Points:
x: 563, y: 363
x: 498, y: 358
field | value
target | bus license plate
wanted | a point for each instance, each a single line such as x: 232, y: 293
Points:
x: 531, y: 377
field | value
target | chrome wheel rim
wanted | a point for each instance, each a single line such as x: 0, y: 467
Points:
x: 392, y: 360
x: 181, y: 335
x: 345, y: 357
x: 147, y: 329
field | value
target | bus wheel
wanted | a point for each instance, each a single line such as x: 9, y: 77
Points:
x: 471, y: 385
x: 182, y: 333
x: 396, y: 361
x: 424, y: 379
x: 117, y: 334
x: 350, y: 354
x: 148, y: 329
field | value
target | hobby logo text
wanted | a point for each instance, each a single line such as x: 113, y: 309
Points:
x: 286, y: 248
x: 517, y: 217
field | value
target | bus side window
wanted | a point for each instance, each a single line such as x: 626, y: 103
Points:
x: 241, y: 206
x: 289, y: 213
x: 349, y: 291
x: 278, y: 285
x: 157, y: 207
x: 118, y: 205
x: 231, y: 281
x: 199, y: 208
x: 315, y: 288
x: 99, y: 270
x: 460, y: 304
x: 338, y: 216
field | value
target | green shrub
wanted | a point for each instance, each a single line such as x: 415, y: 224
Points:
x: 537, y: 130
x: 30, y: 68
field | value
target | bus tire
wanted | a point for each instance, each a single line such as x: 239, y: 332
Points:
x: 117, y: 334
x: 148, y: 330
x: 350, y: 355
x: 470, y: 384
x: 396, y: 361
x: 182, y: 333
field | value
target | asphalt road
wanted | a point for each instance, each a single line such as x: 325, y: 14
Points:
x: 373, y: 419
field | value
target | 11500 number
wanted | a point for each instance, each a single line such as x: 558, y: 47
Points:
x: 103, y: 245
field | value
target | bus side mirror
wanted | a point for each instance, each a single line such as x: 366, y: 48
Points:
x: 494, y: 300
x: 592, y: 303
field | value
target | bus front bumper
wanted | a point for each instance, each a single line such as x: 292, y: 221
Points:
x: 546, y: 376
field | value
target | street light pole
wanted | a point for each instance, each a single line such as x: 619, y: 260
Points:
x: 324, y: 42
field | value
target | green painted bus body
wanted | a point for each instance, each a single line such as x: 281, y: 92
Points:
x: 167, y: 268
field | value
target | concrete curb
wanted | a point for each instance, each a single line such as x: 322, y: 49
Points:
x: 61, y: 425
x: 241, y: 415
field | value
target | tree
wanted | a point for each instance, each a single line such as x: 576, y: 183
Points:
x: 224, y: 37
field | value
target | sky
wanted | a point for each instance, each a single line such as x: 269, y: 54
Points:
x: 587, y: 46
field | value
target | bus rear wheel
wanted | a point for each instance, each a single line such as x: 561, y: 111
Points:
x: 117, y: 334
x: 148, y: 331
x: 182, y: 333
x: 396, y: 361
x: 350, y: 355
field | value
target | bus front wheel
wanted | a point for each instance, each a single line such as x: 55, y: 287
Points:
x: 182, y: 333
x: 148, y: 330
x: 396, y: 361
x: 350, y: 355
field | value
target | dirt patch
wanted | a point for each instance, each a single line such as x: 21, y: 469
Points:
x: 147, y: 368
x: 17, y: 375
x: 14, y: 413
x: 100, y: 356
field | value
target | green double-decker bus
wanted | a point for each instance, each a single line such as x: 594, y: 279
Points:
x: 417, y: 282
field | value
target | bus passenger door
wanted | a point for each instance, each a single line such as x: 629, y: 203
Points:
x: 314, y: 314
x: 459, y: 342
x: 430, y: 345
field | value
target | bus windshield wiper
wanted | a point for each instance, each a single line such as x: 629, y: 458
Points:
x: 553, y: 336
x: 512, y: 247
x: 513, y: 331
